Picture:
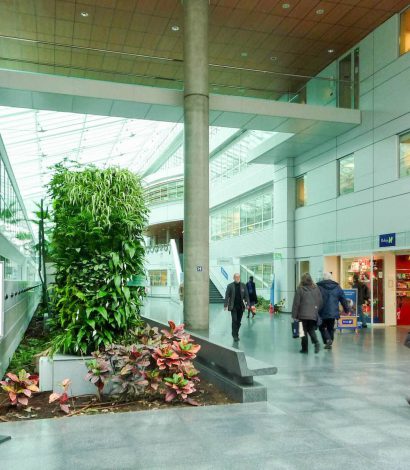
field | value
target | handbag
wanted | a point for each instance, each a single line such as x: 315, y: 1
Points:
x: 295, y: 329
x: 407, y: 340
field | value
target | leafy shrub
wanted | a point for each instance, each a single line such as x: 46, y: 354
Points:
x: 62, y: 398
x: 20, y: 387
x: 98, y: 216
x: 156, y: 362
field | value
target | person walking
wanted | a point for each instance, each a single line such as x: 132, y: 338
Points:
x: 250, y: 285
x: 363, y: 296
x: 236, y: 299
x: 306, y: 306
x: 332, y: 294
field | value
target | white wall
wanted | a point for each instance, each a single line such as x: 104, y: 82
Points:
x: 381, y: 200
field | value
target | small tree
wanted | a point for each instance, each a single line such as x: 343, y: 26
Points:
x: 97, y: 245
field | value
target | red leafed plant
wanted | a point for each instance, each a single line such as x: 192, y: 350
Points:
x: 20, y: 387
x: 62, y: 398
x: 99, y: 371
x: 178, y: 387
x: 156, y: 362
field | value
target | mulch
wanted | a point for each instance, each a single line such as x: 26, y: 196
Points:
x: 39, y: 408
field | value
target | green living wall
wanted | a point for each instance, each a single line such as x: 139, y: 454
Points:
x: 97, y: 246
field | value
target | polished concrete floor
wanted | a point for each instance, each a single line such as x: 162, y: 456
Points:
x: 338, y: 409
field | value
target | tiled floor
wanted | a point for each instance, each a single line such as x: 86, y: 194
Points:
x: 340, y: 409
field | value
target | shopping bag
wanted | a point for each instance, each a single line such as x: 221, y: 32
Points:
x: 295, y: 328
x: 407, y: 340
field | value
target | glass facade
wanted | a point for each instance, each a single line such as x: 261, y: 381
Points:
x: 165, y: 192
x: 346, y: 175
x: 301, y: 198
x: 158, y: 277
x: 405, y: 31
x: 234, y: 157
x: 262, y: 274
x: 13, y: 223
x: 248, y: 214
x: 405, y: 155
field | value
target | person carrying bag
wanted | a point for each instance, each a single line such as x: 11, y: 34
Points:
x: 305, y: 309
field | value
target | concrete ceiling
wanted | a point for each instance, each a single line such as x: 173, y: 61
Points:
x: 122, y: 40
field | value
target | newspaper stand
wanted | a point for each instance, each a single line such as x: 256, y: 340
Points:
x: 349, y: 321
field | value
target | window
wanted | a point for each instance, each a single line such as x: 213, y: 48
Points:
x: 262, y: 274
x: 405, y: 155
x: 301, y: 191
x: 346, y: 175
x: 252, y: 213
x: 158, y: 277
x: 405, y: 32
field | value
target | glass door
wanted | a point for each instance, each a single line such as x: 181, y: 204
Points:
x: 370, y: 271
x: 302, y: 267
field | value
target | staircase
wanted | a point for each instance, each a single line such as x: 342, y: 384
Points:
x: 214, y: 296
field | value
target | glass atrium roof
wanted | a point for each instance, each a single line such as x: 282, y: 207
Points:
x: 37, y: 140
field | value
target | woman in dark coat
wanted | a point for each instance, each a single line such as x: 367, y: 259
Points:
x: 306, y: 306
x: 253, y: 299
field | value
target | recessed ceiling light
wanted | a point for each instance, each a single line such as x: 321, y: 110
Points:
x: 330, y: 51
x: 273, y: 58
x: 244, y: 54
x: 320, y: 11
x: 285, y: 6
x: 175, y: 27
x: 84, y: 13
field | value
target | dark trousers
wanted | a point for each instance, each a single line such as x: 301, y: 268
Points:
x: 327, y: 329
x: 236, y: 314
x: 309, y: 328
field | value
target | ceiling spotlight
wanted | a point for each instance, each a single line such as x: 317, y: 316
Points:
x: 175, y: 27
x: 320, y: 11
x: 273, y: 58
x: 84, y: 14
x: 330, y: 51
x: 285, y: 6
x: 244, y: 54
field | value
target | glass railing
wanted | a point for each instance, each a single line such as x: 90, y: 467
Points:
x: 133, y: 68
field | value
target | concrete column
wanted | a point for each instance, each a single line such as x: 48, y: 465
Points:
x: 196, y: 150
x: 284, y: 232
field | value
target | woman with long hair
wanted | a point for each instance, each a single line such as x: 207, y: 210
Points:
x: 306, y: 306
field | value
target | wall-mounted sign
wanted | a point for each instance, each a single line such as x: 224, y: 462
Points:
x: 387, y: 239
x: 277, y: 256
x: 199, y: 269
x: 224, y: 273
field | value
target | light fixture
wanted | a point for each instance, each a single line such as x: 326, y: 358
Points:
x: 244, y: 54
x: 273, y: 58
x: 84, y: 14
x: 330, y: 51
x: 320, y: 11
x: 175, y: 27
x: 285, y: 6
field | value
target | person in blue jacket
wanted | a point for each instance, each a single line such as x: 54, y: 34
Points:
x: 332, y: 294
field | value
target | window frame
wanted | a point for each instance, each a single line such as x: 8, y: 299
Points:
x: 297, y: 179
x: 405, y: 10
x: 339, y: 160
x: 407, y: 132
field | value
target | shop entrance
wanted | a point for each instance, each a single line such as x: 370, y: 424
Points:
x: 403, y: 289
x: 371, y: 272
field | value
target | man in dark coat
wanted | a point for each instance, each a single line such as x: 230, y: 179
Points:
x: 332, y: 294
x: 236, y: 299
x: 250, y: 285
x: 363, y: 296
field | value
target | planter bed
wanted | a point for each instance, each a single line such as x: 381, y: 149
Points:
x: 39, y: 407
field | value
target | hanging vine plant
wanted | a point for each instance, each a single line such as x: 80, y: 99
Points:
x: 97, y: 246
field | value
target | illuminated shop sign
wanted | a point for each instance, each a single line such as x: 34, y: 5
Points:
x: 387, y: 239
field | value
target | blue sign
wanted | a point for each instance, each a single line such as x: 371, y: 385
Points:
x: 224, y: 273
x: 351, y: 297
x: 387, y: 239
